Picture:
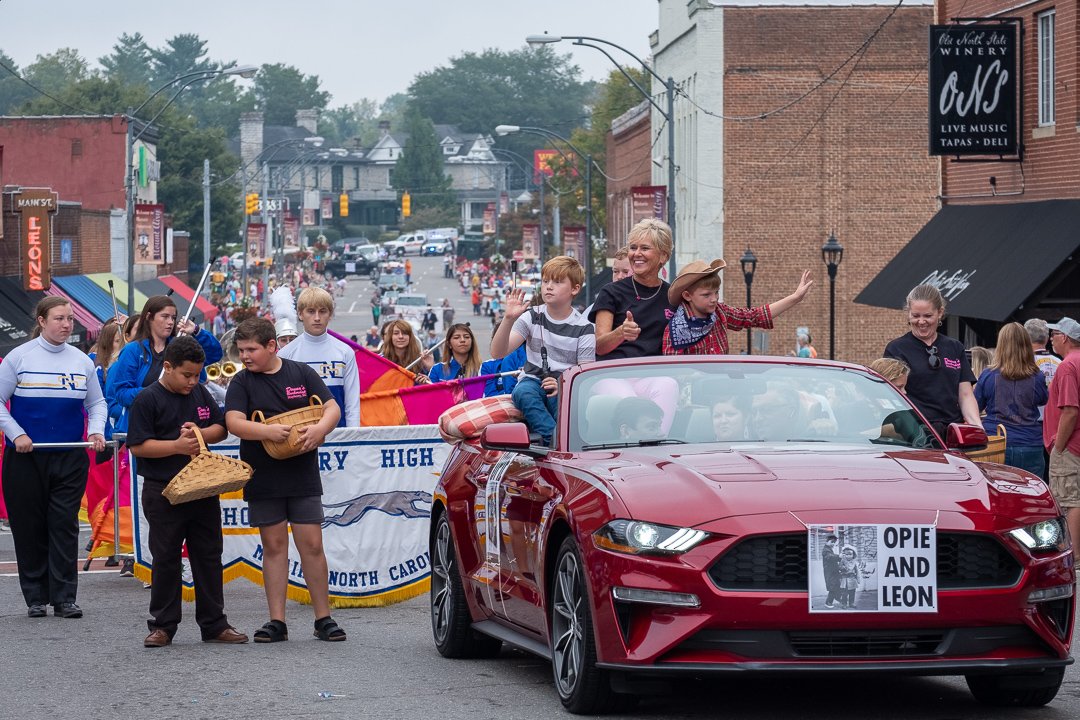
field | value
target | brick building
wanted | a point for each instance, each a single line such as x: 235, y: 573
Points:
x: 1004, y: 245
x: 629, y: 154
x: 787, y: 137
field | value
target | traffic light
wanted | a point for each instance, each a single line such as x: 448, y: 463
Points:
x: 406, y: 205
x: 252, y: 203
x: 343, y: 204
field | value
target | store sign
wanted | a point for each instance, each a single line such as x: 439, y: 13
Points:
x: 150, y: 234
x: 974, y: 86
x: 648, y: 201
x: 35, y: 205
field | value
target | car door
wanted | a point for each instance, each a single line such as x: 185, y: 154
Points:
x: 524, y: 501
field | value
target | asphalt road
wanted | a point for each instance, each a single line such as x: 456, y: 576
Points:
x: 353, y: 315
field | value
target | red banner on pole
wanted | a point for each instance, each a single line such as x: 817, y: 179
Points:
x: 150, y: 234
x: 530, y: 240
x: 256, y: 242
x: 573, y: 240
x: 648, y: 201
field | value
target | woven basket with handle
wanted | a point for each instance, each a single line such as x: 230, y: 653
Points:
x: 207, y: 474
x: 296, y: 419
x: 994, y: 450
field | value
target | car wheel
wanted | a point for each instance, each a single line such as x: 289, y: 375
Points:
x: 451, y: 626
x: 1032, y: 690
x: 400, y: 252
x: 583, y: 688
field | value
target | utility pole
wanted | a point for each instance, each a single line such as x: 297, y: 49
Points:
x: 268, y: 221
x: 543, y: 223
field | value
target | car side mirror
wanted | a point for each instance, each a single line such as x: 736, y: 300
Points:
x: 965, y: 437
x: 512, y: 437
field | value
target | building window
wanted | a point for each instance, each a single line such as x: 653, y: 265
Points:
x: 337, y: 179
x: 76, y: 147
x: 356, y: 177
x: 1046, y: 68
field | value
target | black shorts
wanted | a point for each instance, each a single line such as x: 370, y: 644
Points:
x: 306, y: 510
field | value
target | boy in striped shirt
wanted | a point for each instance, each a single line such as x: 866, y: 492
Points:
x: 556, y: 337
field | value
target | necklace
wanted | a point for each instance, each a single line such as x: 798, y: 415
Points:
x: 637, y: 292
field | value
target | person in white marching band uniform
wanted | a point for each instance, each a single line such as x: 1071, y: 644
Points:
x: 49, y: 384
x: 333, y: 360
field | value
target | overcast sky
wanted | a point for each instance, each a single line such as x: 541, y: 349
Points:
x: 358, y: 48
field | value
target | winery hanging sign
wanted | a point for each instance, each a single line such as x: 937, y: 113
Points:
x: 974, y: 87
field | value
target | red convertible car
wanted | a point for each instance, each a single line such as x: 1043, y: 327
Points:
x: 732, y: 514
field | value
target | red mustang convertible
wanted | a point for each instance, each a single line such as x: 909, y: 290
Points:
x: 732, y: 514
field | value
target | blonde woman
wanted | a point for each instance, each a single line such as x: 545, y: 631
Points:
x: 401, y: 346
x: 981, y: 358
x: 1011, y: 391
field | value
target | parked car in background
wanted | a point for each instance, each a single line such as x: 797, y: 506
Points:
x: 722, y: 515
x: 349, y: 244
x: 236, y: 260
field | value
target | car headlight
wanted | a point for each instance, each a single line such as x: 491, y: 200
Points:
x: 636, y: 537
x: 1044, y: 535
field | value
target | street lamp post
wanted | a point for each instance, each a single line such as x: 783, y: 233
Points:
x: 511, y: 129
x: 246, y: 71
x: 832, y: 252
x: 749, y: 265
x: 667, y: 113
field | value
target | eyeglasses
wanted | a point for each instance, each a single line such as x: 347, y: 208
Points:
x: 932, y: 358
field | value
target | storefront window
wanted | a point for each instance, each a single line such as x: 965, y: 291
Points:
x: 1046, y: 68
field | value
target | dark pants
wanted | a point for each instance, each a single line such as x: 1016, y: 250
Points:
x: 199, y: 523
x: 43, y: 491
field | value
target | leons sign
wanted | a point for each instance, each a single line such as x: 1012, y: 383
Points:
x: 35, y: 253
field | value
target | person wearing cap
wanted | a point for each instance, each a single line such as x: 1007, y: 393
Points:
x: 700, y: 323
x: 1061, y: 431
x: 286, y: 331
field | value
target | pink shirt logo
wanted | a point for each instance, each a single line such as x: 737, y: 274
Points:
x: 952, y: 364
x: 292, y: 393
x: 203, y: 412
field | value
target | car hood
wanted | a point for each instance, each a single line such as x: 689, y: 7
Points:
x: 690, y: 485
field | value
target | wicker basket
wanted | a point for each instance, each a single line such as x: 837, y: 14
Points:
x: 207, y: 474
x: 994, y: 450
x: 296, y: 419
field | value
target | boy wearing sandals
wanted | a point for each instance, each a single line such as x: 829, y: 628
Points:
x: 161, y: 435
x: 282, y: 492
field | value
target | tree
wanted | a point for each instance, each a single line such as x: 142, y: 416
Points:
x: 420, y: 168
x: 280, y: 90
x: 54, y: 72
x: 477, y: 92
x: 13, y: 91
x: 182, y: 54
x: 340, y: 125
x: 129, y: 62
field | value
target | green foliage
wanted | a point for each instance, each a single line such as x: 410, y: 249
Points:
x: 420, y: 168
x: 13, y: 91
x: 129, y: 62
x: 431, y: 217
x: 54, y: 72
x: 479, y: 91
x: 280, y: 90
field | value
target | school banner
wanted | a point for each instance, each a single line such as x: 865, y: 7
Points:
x: 377, y: 486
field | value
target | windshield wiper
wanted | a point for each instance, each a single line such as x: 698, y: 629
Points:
x: 640, y: 443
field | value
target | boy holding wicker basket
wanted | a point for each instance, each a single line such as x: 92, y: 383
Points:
x: 162, y: 434
x: 273, y: 407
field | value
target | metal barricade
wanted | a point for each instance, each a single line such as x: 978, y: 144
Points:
x: 115, y: 444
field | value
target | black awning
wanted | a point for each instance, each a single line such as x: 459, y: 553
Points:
x: 987, y: 260
x: 15, y: 325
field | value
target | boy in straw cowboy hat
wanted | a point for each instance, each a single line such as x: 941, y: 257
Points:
x: 700, y: 323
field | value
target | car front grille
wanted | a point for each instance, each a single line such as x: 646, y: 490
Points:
x: 778, y: 563
x: 865, y: 644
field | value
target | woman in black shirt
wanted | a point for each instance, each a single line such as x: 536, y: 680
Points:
x: 630, y: 315
x: 940, y: 383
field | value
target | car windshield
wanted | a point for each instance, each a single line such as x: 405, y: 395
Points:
x: 737, y: 402
x: 417, y: 300
x: 391, y: 281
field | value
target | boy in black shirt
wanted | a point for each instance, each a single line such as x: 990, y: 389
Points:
x: 160, y: 434
x: 282, y: 492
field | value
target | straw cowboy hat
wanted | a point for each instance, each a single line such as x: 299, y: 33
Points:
x: 689, y: 275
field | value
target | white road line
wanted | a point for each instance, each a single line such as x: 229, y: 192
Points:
x: 353, y: 306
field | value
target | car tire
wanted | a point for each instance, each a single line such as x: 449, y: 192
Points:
x: 451, y: 626
x: 583, y: 688
x: 1020, y: 690
x: 400, y: 252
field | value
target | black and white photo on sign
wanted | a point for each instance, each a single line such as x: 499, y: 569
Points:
x: 872, y: 568
x: 842, y: 568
